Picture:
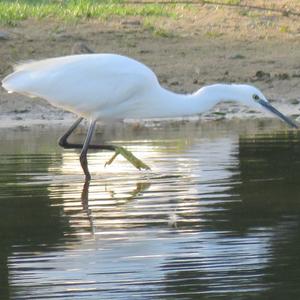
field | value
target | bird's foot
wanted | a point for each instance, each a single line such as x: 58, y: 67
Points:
x: 129, y: 156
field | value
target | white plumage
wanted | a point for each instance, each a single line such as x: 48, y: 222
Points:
x: 110, y: 86
x: 89, y: 84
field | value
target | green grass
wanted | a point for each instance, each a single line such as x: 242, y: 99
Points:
x: 156, y: 30
x: 13, y: 11
x: 213, y: 34
x: 230, y: 2
x: 284, y: 29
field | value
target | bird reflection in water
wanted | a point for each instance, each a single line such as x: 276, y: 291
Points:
x: 137, y: 191
x: 120, y: 201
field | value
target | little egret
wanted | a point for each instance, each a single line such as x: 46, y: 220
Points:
x: 113, y: 87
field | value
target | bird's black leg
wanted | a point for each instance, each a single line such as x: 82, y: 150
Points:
x: 83, y: 159
x: 63, y: 141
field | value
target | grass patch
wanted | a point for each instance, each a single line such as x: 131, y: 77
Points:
x: 284, y: 29
x: 213, y: 34
x: 228, y: 2
x: 157, y: 31
x: 250, y: 13
x: 14, y: 11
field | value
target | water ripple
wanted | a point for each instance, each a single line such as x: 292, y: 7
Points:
x: 208, y: 221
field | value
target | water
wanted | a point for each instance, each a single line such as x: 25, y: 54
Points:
x: 218, y: 217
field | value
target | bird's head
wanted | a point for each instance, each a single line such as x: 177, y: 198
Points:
x: 253, y: 97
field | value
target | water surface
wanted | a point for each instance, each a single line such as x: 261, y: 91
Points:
x: 217, y: 217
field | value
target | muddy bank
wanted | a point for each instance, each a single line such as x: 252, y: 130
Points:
x: 184, y: 61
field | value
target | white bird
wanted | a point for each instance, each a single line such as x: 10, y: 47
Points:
x: 109, y: 87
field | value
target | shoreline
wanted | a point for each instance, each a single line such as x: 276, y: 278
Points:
x: 185, y: 53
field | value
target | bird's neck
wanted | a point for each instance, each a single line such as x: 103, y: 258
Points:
x: 165, y: 103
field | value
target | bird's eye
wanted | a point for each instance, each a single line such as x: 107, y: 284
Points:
x: 255, y: 97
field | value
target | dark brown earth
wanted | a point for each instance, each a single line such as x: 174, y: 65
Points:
x: 207, y: 45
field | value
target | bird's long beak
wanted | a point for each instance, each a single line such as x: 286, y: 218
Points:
x: 277, y: 113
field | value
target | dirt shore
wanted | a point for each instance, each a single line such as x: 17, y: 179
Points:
x: 212, y: 44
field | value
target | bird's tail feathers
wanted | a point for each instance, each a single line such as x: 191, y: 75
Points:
x: 18, y: 81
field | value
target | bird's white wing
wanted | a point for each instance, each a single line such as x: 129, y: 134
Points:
x: 88, y: 84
